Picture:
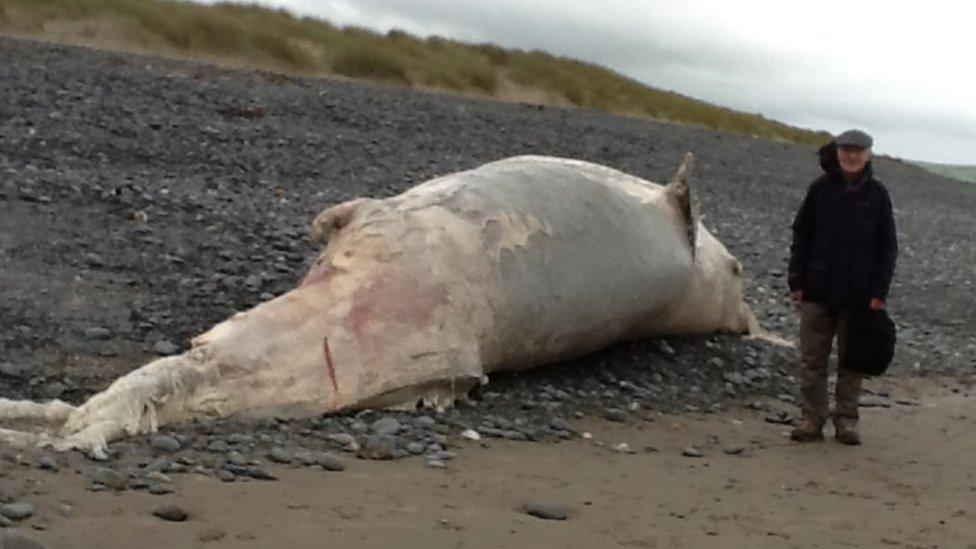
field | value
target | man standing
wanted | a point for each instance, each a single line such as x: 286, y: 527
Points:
x: 842, y: 258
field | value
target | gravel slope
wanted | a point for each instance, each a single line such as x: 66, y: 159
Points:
x: 229, y: 166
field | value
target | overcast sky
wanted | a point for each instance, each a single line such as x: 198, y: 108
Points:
x: 902, y: 71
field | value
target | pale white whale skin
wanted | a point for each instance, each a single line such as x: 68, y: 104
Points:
x: 416, y: 298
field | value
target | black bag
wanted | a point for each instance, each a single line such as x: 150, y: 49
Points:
x: 870, y: 342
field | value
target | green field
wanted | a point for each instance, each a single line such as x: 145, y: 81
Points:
x: 252, y: 36
x: 955, y: 171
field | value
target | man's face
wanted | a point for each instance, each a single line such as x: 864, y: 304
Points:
x: 853, y: 159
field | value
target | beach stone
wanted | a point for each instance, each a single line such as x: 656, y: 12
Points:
x: 15, y: 539
x: 343, y: 439
x: 54, y: 390
x: 156, y: 476
x: 110, y: 478
x: 560, y: 424
x: 160, y: 489
x: 10, y: 370
x: 171, y: 512
x: 425, y: 422
x: 692, y: 452
x: 17, y: 510
x: 416, y: 448
x: 226, y: 475
x: 378, y: 447
x: 165, y: 443
x: 47, y: 463
x: 260, y: 473
x: 97, y: 332
x: 615, y: 414
x: 386, y: 426
x: 279, y: 455
x: 241, y: 438
x: 546, y: 510
x: 159, y: 465
x: 165, y: 348
x: 330, y: 462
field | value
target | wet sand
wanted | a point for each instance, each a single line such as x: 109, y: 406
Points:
x: 910, y: 485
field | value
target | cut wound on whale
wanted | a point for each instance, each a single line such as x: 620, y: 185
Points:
x: 331, y: 367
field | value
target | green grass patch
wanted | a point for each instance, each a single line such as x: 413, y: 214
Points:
x: 371, y: 63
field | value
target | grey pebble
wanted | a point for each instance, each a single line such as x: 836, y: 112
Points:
x: 416, y: 448
x: 436, y: 464
x: 156, y: 476
x: 260, y: 473
x: 236, y: 458
x: 425, y: 422
x: 10, y: 370
x: 15, y: 539
x: 171, y: 512
x: 343, y: 439
x: 546, y: 510
x: 110, y: 478
x: 378, y: 447
x: 240, y: 438
x: 16, y: 511
x: 159, y: 465
x: 165, y: 443
x: 165, y: 348
x: 330, y: 462
x: 97, y: 332
x: 386, y: 426
x: 160, y: 489
x: 218, y: 446
x: 615, y: 414
x: 226, y: 476
x: 54, y: 390
x: 560, y: 424
x: 692, y: 452
x: 279, y: 455
x: 47, y: 463
x: 734, y: 450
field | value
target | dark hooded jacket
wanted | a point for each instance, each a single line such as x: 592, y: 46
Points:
x: 844, y: 243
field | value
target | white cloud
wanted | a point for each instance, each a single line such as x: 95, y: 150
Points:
x: 899, y: 70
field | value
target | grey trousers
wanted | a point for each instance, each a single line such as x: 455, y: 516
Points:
x: 819, y: 325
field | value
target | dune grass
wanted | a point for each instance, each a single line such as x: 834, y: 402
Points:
x: 251, y: 35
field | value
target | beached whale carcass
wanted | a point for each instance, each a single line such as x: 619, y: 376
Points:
x: 415, y: 298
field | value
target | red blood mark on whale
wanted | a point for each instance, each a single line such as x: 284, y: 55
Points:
x: 393, y: 298
x: 331, y: 366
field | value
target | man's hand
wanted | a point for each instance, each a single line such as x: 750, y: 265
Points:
x: 876, y: 304
x: 797, y: 296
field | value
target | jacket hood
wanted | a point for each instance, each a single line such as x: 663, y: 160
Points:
x: 831, y: 166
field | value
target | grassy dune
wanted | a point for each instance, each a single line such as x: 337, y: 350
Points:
x: 955, y: 171
x: 252, y: 36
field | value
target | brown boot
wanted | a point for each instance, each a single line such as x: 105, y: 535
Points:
x: 847, y: 434
x: 808, y: 430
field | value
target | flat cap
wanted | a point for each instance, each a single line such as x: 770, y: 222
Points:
x: 854, y: 138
